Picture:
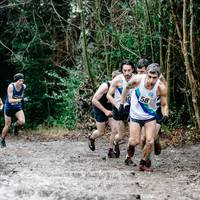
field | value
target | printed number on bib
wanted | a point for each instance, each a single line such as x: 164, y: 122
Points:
x: 144, y: 100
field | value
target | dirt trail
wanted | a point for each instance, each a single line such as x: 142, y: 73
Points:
x: 67, y: 169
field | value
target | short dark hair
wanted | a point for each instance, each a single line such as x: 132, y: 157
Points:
x: 126, y: 62
x: 143, y: 62
x: 18, y: 76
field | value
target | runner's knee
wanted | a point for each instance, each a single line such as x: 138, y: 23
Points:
x: 150, y: 141
x: 133, y: 141
x: 101, y: 133
x: 21, y: 122
x: 120, y: 136
x: 7, y: 124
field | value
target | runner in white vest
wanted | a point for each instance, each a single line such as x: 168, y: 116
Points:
x: 141, y: 69
x: 114, y: 96
x: 148, y: 88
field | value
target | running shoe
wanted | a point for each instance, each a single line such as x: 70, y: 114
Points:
x: 143, y: 166
x: 116, y: 149
x: 3, y: 143
x: 148, y: 162
x: 111, y: 153
x: 157, y: 147
x: 91, y: 143
x: 128, y: 161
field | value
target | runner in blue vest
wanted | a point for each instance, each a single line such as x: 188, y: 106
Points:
x: 14, y: 106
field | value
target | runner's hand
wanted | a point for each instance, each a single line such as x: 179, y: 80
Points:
x: 25, y: 99
x: 164, y: 119
x: 108, y: 113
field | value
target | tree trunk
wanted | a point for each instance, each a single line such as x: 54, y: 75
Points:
x: 184, y: 39
x: 194, y: 41
x: 192, y: 81
x: 160, y: 36
x: 150, y: 30
x: 84, y: 47
x: 169, y: 53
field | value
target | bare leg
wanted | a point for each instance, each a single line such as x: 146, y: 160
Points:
x: 157, y: 146
x: 6, y: 126
x: 143, y: 138
x: 119, y: 137
x: 113, y: 132
x: 121, y: 133
x: 150, y: 128
x: 134, y: 139
x: 100, y: 130
x: 20, y: 118
x: 5, y: 130
x: 20, y: 121
x: 97, y: 133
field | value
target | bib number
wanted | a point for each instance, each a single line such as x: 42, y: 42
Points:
x: 144, y: 100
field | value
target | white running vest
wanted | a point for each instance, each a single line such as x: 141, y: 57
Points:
x: 143, y: 101
x: 118, y: 91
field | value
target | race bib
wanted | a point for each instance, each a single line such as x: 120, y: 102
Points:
x: 144, y: 100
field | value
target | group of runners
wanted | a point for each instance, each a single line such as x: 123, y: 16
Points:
x: 137, y: 100
x: 13, y: 107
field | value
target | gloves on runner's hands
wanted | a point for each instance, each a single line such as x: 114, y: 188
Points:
x: 164, y: 119
x: 25, y: 99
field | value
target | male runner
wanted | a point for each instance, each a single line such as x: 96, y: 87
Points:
x: 147, y: 88
x: 13, y: 106
x: 103, y: 114
x: 114, y: 95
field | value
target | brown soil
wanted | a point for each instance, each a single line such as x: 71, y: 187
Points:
x: 35, y: 166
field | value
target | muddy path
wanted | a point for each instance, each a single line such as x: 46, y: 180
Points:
x: 67, y: 169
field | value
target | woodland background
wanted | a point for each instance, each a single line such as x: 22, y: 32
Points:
x: 66, y: 48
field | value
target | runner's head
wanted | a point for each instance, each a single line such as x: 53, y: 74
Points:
x: 142, y: 66
x: 18, y: 78
x: 153, y: 73
x: 127, y: 69
x: 154, y: 68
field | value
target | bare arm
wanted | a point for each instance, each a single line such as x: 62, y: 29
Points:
x: 10, y: 95
x: 97, y: 96
x: 131, y: 84
x: 111, y: 91
x: 163, y: 100
x: 162, y: 79
x: 124, y: 93
x: 1, y: 104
